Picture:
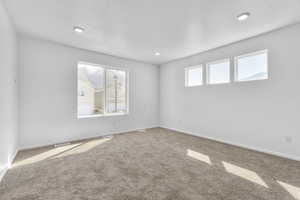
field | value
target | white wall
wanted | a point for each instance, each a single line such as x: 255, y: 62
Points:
x: 9, y: 91
x: 48, y: 85
x: 259, y: 114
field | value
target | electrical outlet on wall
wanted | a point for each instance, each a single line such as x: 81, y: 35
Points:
x: 288, y: 139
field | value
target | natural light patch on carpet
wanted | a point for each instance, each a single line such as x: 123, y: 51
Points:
x: 293, y: 190
x: 198, y: 156
x: 45, y: 155
x: 63, y: 151
x: 244, y: 173
x: 84, y: 147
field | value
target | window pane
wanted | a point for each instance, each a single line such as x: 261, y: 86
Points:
x: 252, y: 67
x: 116, y: 101
x: 90, y: 90
x: 193, y: 76
x: 218, y: 72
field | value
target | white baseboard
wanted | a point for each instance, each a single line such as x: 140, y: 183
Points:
x: 279, y: 154
x: 84, y: 138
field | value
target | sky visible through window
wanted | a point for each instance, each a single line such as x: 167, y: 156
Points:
x: 194, y: 76
x: 252, y: 67
x: 219, y: 72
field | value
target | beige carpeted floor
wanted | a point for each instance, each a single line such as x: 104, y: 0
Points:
x: 156, y: 165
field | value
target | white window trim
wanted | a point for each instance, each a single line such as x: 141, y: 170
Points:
x: 186, y: 69
x: 105, y: 114
x: 248, y: 55
x: 217, y: 62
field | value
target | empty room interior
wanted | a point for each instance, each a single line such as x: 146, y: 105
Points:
x: 150, y: 100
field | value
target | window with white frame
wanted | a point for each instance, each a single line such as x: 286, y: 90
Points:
x: 101, y: 90
x: 193, y: 76
x: 218, y: 72
x: 253, y: 66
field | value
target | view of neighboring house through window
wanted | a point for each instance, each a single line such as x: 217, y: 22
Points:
x: 193, y: 76
x: 252, y: 66
x: 101, y: 90
x: 218, y: 72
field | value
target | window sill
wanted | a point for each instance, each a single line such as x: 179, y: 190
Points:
x: 245, y: 81
x: 191, y: 86
x: 102, y: 115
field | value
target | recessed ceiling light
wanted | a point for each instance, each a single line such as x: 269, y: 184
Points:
x: 78, y: 29
x: 243, y: 16
x: 157, y: 53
